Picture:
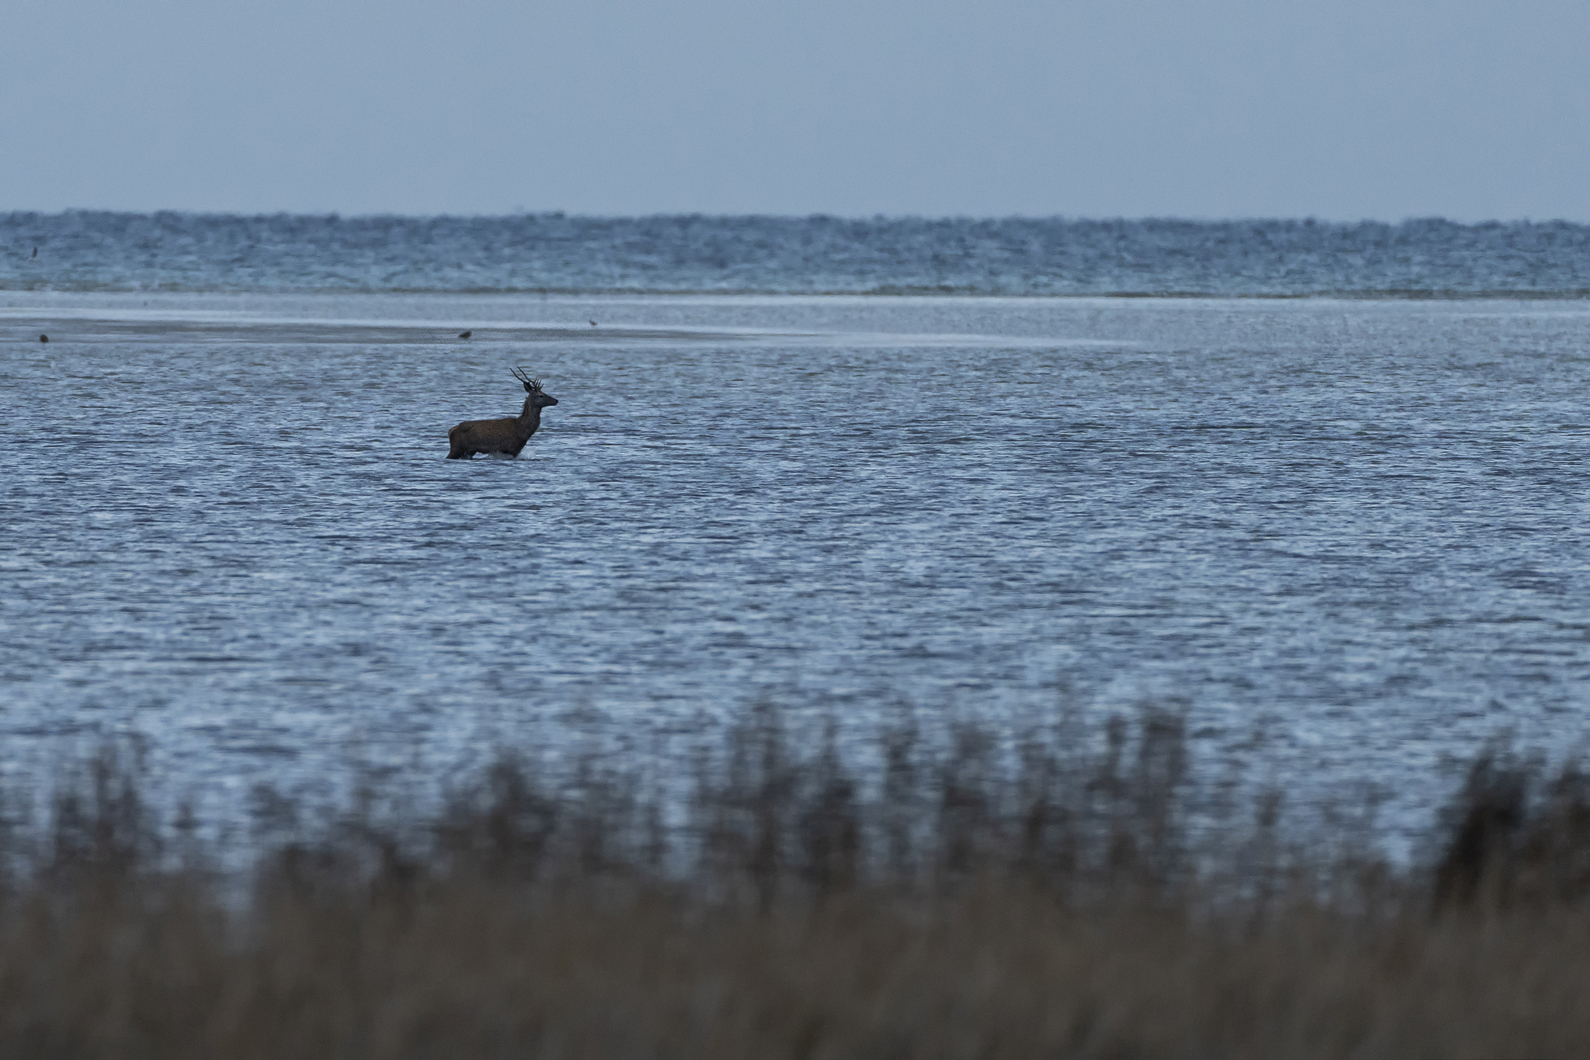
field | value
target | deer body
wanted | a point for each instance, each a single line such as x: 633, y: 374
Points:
x: 507, y: 435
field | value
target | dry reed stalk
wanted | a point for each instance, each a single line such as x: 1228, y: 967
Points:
x: 959, y: 910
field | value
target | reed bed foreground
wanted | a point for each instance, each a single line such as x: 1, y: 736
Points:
x: 1050, y: 897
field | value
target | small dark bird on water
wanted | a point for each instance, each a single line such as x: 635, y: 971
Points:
x: 35, y: 252
x: 44, y: 338
x: 465, y: 334
x: 593, y: 323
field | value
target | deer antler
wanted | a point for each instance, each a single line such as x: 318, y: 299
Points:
x: 519, y: 374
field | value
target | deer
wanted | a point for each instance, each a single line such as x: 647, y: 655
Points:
x: 505, y: 436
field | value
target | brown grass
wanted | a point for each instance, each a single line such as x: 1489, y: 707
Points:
x: 982, y: 901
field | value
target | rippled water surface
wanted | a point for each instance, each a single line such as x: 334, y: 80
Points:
x: 86, y: 250
x: 1360, y: 525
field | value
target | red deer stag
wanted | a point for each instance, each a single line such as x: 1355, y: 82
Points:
x: 506, y: 436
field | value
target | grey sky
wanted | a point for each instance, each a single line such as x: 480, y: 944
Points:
x: 1231, y: 109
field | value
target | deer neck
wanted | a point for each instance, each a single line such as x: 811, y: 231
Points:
x: 529, y: 419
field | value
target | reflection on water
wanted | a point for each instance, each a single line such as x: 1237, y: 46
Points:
x: 1358, y: 524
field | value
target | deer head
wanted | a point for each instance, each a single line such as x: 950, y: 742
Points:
x: 533, y: 387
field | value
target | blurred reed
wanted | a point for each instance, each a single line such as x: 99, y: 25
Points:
x: 1062, y: 893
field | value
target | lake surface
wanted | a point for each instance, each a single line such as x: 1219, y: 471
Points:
x: 1357, y: 526
x: 1319, y: 486
x: 99, y: 251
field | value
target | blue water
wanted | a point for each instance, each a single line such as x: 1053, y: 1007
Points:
x: 87, y: 251
x: 1357, y: 526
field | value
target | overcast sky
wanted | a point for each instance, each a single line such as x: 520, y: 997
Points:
x: 1339, y: 110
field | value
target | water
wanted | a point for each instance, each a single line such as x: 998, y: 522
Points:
x: 1357, y: 525
x: 88, y: 251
